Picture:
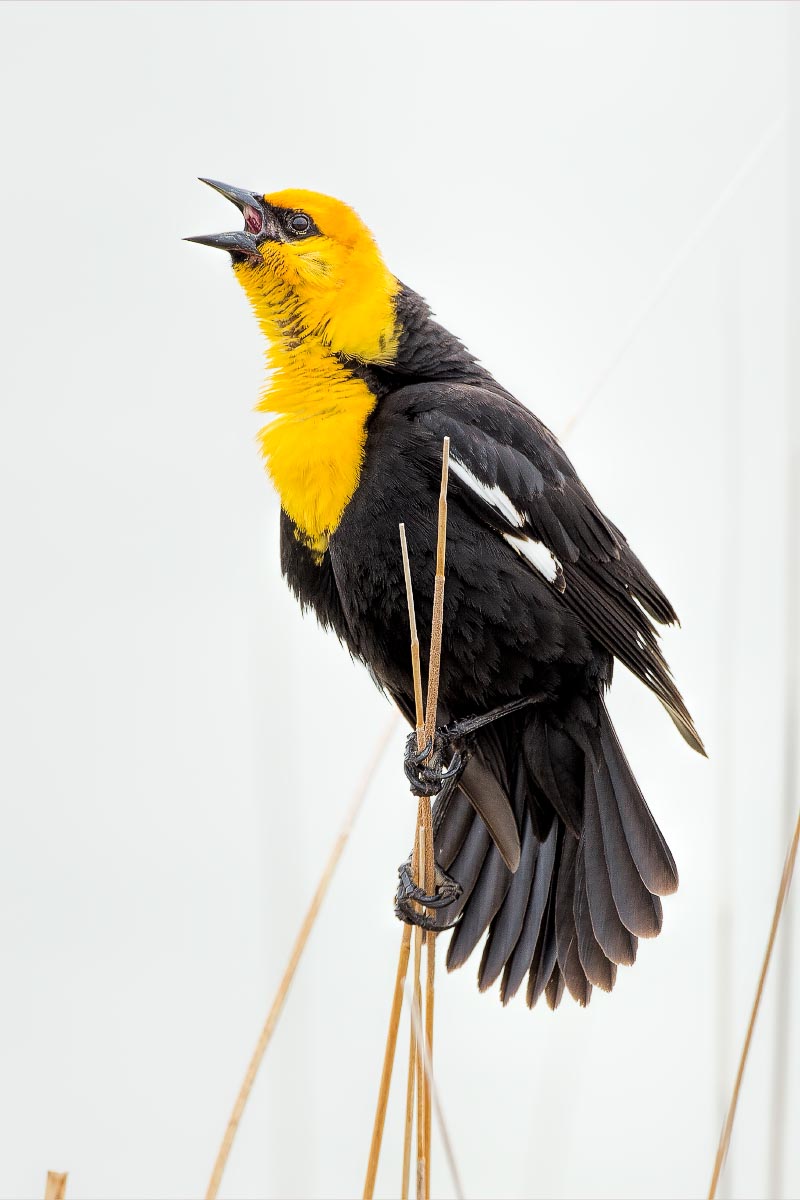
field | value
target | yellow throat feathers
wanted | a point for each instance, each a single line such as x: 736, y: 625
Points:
x: 315, y: 299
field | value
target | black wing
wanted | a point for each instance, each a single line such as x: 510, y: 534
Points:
x: 508, y: 468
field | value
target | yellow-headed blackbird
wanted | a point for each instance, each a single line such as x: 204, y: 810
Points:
x: 541, y: 832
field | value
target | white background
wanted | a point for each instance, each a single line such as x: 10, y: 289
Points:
x: 180, y: 745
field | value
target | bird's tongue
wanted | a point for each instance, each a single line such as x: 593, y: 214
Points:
x: 252, y: 219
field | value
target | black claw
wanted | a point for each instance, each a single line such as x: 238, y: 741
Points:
x: 423, y: 768
x: 409, y: 895
x: 456, y: 769
x: 415, y: 756
x: 447, y: 889
x: 423, y: 778
x: 410, y: 916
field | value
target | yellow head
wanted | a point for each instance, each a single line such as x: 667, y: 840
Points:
x: 311, y: 270
x: 323, y: 296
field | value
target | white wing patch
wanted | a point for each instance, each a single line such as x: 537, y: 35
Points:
x: 492, y: 495
x: 537, y: 554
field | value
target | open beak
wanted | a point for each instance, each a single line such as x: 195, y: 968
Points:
x: 240, y: 243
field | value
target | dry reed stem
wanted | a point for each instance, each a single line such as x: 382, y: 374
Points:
x: 416, y: 1021
x: 437, y: 626
x: 418, y: 1079
x: 388, y: 1064
x: 416, y: 666
x: 430, y: 959
x: 405, y: 944
x: 415, y: 1075
x: 423, y: 1097
x: 425, y: 866
x: 56, y: 1186
x: 409, y: 1117
x: 727, y: 1128
x: 294, y: 959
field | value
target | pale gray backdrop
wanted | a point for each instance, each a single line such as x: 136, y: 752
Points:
x: 180, y: 745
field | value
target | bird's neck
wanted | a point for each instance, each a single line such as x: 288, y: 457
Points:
x: 426, y: 350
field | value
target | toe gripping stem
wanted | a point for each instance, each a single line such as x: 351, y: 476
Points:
x: 428, y: 776
x: 425, y: 769
x: 408, y: 893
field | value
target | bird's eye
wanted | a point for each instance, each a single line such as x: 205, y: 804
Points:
x: 299, y: 223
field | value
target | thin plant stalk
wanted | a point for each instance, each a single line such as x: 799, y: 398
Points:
x: 425, y: 869
x: 56, y: 1186
x: 422, y: 1082
x: 405, y: 948
x: 416, y: 1076
x: 409, y: 1117
x: 437, y: 626
x: 294, y: 959
x: 727, y: 1128
x: 388, y: 1064
x: 422, y: 865
x: 416, y: 1020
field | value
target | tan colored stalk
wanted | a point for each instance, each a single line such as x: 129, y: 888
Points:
x: 426, y: 869
x: 422, y: 1082
x: 294, y: 959
x: 409, y: 1117
x: 727, y: 1128
x: 416, y: 1078
x: 422, y: 867
x: 388, y: 1064
x: 437, y: 625
x: 405, y: 946
x: 56, y: 1186
x: 416, y: 1020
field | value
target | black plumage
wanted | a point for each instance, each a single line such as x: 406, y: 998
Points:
x: 548, y: 834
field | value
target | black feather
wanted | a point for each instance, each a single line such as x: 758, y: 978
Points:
x: 487, y: 897
x: 506, y: 927
x: 520, y: 961
x: 566, y: 932
x: 554, y: 990
x: 599, y: 970
x: 639, y: 911
x: 617, y: 942
x: 546, y: 954
x: 649, y: 851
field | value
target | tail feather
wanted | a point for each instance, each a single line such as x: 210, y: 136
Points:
x: 485, y: 901
x: 506, y: 928
x: 545, y: 958
x: 552, y: 759
x: 639, y: 910
x: 649, y: 851
x: 617, y: 942
x: 452, y: 821
x: 566, y: 932
x: 467, y: 866
x: 554, y: 990
x: 598, y: 968
x: 589, y: 876
x: 523, y: 955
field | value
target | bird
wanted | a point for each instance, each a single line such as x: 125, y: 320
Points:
x: 544, y: 842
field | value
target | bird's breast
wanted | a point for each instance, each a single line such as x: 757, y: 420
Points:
x: 314, y: 448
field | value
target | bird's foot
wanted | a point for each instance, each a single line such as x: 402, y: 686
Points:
x: 439, y: 760
x: 447, y: 891
x: 451, y: 745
